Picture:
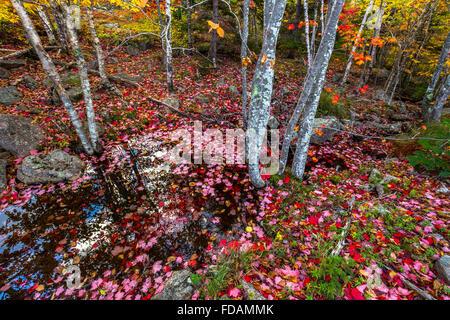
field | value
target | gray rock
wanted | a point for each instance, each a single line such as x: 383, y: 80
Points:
x: 53, y: 167
x: 445, y: 112
x: 327, y: 125
x: 111, y: 25
x: 144, y: 44
x: 19, y: 135
x: 12, y: 64
x: 234, y: 92
x: 250, y: 293
x: 29, y: 81
x: 10, y: 95
x: 177, y: 288
x: 443, y: 190
x: 400, y: 117
x: 4, y: 74
x: 129, y: 77
x: 75, y: 95
x: 203, y: 99
x: 443, y: 268
x: 381, y: 94
x: 132, y: 50
x: 273, y: 123
x: 171, y: 101
x: 2, y: 175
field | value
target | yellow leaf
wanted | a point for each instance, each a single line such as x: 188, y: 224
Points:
x: 249, y: 229
x: 272, y: 62
x: 213, y: 25
x: 40, y: 287
x: 263, y: 59
x: 143, y: 3
x: 220, y: 32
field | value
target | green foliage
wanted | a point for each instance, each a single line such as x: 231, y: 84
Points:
x: 435, y: 154
x: 330, y: 277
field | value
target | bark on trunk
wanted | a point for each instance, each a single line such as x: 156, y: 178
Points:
x: 262, y: 85
x: 85, y: 85
x: 441, y: 98
x: 168, y: 42
x: 189, y: 24
x: 215, y: 19
x: 350, y: 58
x: 47, y: 26
x: 59, y: 21
x: 310, y: 95
x: 246, y: 7
x: 428, y: 97
x: 301, y: 151
x: 51, y: 70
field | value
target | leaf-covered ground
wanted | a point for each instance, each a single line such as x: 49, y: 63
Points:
x: 128, y: 237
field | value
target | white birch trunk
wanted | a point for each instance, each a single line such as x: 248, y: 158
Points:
x: 246, y: 7
x: 441, y: 98
x: 328, y: 40
x: 262, y: 85
x: 350, y: 58
x: 51, y: 70
x: 313, y: 85
x: 435, y: 78
x: 85, y: 85
x: 47, y: 26
x: 168, y: 43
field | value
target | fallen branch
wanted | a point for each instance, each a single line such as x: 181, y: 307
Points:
x: 24, y: 51
x: 341, y: 243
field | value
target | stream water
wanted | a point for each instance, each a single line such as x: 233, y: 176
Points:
x: 106, y: 223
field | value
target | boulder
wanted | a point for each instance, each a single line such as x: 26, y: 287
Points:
x: 328, y: 128
x: 12, y: 64
x: 10, y: 95
x: 53, y: 167
x: 132, y: 50
x: 75, y: 95
x: 203, y: 99
x: 179, y: 287
x: 234, y: 92
x: 250, y: 293
x: 2, y: 175
x: 4, y: 74
x: 171, y: 101
x: 144, y: 44
x: 18, y: 134
x: 129, y: 77
x: 443, y: 268
x: 29, y: 81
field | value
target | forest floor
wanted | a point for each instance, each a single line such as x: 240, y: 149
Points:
x: 130, y: 222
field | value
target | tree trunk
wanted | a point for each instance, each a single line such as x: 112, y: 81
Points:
x: 350, y: 58
x: 428, y: 97
x: 189, y: 24
x: 310, y: 96
x: 97, y: 46
x: 441, y: 98
x: 47, y: 25
x: 262, y: 85
x: 162, y: 33
x: 215, y: 19
x: 85, y: 85
x: 59, y: 21
x: 308, y: 45
x: 246, y: 7
x: 51, y: 70
x: 168, y: 41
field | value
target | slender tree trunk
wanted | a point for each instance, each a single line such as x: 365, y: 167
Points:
x: 85, y: 85
x: 245, y: 12
x: 59, y: 21
x: 189, y: 24
x: 47, y: 26
x: 373, y: 49
x: 350, y: 58
x: 441, y: 98
x: 162, y: 33
x: 51, y: 70
x: 168, y: 37
x: 428, y: 97
x: 310, y: 96
x: 97, y: 46
x: 308, y: 45
x: 314, y: 30
x: 215, y: 19
x: 262, y: 86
